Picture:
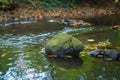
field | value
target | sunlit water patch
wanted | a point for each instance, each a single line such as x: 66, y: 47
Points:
x: 24, y: 64
x: 24, y: 69
x: 24, y: 41
x: 23, y: 58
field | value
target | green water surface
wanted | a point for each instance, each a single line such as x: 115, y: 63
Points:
x: 22, y: 53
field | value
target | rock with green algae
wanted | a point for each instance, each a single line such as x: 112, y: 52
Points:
x: 63, y: 45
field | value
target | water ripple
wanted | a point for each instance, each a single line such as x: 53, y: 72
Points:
x: 16, y: 23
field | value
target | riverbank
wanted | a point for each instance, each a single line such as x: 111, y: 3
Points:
x: 29, y: 13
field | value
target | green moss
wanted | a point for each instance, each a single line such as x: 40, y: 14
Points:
x: 64, y: 41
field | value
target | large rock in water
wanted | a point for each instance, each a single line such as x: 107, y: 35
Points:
x: 64, y: 45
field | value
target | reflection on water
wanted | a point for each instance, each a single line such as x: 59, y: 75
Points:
x: 26, y: 74
x: 108, y: 20
x: 111, y: 35
x: 35, y: 28
x: 16, y: 23
x: 24, y: 64
x: 22, y: 58
x: 67, y: 63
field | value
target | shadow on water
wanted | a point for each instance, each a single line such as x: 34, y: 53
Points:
x: 108, y: 20
x: 68, y: 63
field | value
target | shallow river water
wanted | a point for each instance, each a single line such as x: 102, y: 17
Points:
x: 22, y: 53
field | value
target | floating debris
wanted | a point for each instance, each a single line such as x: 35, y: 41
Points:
x: 116, y: 27
x: 53, y: 21
x: 105, y: 44
x: 90, y: 40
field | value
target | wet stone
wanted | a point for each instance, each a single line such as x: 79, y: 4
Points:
x: 112, y: 55
x: 63, y: 45
x: 97, y: 53
x: 106, y: 54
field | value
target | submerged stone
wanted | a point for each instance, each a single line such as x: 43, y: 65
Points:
x: 63, y: 45
x: 97, y: 53
x: 107, y: 55
x: 112, y: 55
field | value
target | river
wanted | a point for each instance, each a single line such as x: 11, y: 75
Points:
x: 22, y: 53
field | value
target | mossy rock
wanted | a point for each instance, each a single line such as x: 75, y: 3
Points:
x: 63, y: 45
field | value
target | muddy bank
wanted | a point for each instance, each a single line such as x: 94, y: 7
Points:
x: 28, y: 13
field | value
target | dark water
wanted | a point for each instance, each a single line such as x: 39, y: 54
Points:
x: 108, y: 20
x: 22, y: 53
